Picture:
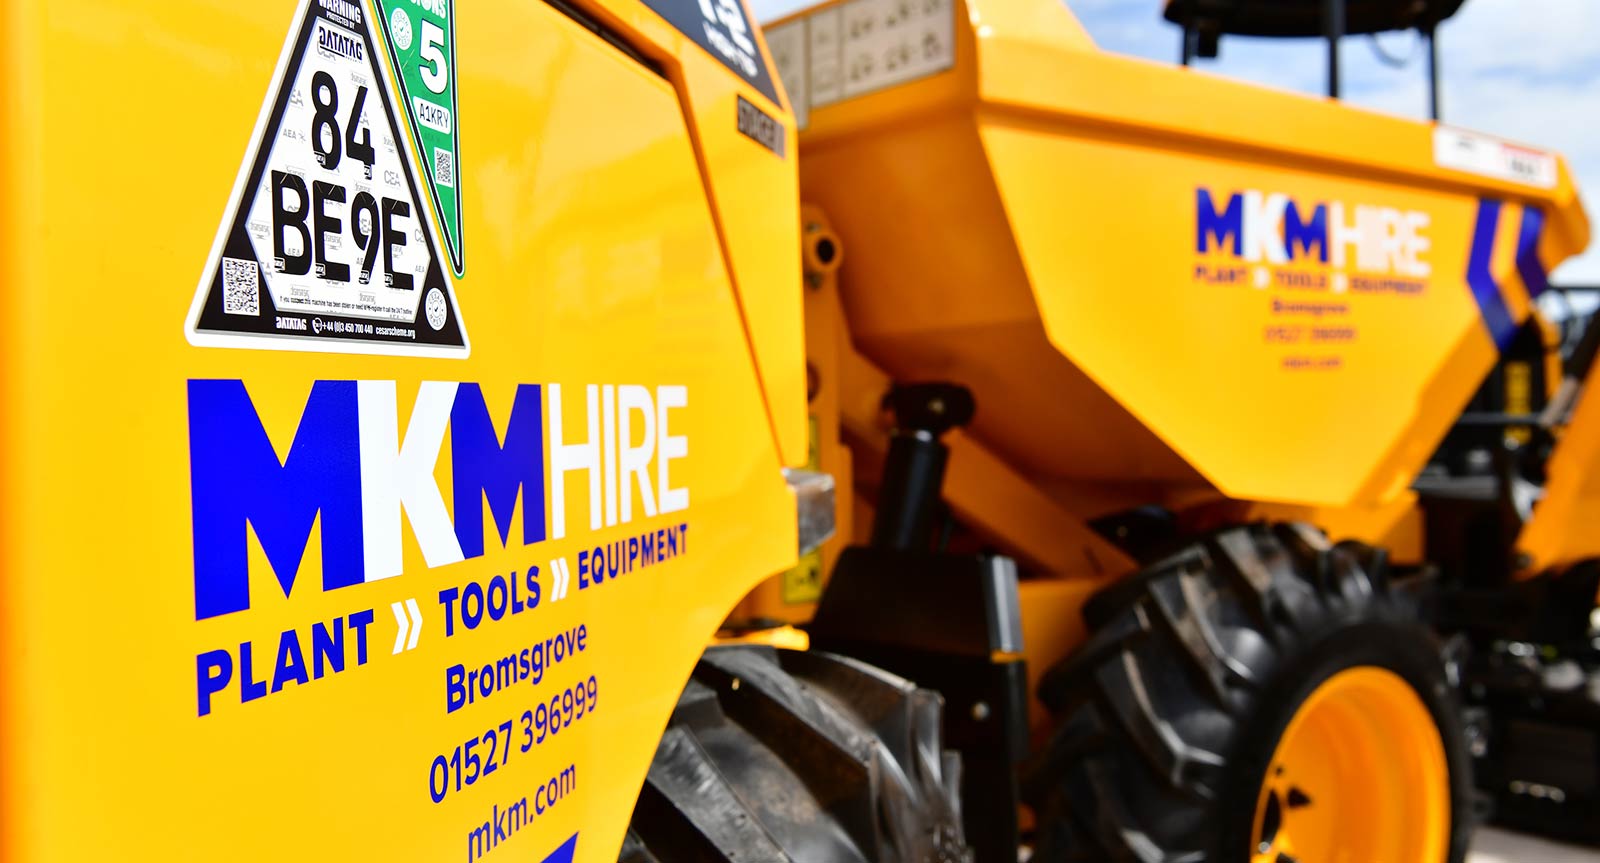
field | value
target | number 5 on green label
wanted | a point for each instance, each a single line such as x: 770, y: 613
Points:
x: 436, y: 71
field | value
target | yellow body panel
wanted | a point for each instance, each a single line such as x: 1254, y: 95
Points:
x: 595, y: 261
x: 1178, y: 280
x: 755, y: 203
x: 988, y: 494
x: 1562, y: 531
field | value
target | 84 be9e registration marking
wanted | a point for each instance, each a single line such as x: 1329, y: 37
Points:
x: 326, y: 244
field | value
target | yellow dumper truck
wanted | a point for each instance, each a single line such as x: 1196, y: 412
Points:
x: 482, y: 333
x: 1186, y: 308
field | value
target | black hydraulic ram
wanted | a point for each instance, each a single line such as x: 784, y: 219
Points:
x: 913, y: 472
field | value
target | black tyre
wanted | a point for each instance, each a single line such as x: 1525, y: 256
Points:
x: 780, y: 755
x: 1173, y: 712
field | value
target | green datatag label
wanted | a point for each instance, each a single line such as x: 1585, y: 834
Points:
x: 421, y: 38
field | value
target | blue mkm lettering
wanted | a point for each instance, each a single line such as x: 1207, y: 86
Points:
x: 238, y: 483
x: 486, y: 468
x: 1301, y: 236
x: 1259, y: 227
x: 1217, y: 229
x: 350, y: 470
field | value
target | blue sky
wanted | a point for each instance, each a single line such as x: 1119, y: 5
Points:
x: 1527, y: 70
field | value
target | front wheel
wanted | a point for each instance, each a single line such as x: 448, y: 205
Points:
x: 1261, y: 697
x: 783, y: 756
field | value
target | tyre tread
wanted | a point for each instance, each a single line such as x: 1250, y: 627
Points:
x: 1179, y: 656
x: 789, y: 755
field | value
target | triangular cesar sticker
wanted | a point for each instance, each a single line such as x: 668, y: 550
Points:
x: 421, y: 38
x: 326, y: 244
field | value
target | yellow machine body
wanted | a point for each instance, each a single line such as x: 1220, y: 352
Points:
x: 317, y: 584
x: 1161, y: 286
x: 226, y: 629
x: 1561, y: 531
x: 1181, y: 282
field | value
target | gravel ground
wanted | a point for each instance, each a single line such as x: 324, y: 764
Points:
x: 1500, y: 846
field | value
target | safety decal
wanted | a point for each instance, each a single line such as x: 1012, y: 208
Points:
x: 723, y: 30
x: 326, y: 244
x: 420, y: 36
x: 1461, y: 150
x: 755, y: 124
x: 846, y: 50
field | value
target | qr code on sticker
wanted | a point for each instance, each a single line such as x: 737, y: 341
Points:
x: 444, y: 168
x: 241, y: 287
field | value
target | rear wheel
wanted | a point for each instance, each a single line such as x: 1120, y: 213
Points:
x: 1259, y: 697
x: 783, y: 755
x: 1361, y: 749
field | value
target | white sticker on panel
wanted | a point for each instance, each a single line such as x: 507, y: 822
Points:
x: 1490, y: 157
x: 860, y: 47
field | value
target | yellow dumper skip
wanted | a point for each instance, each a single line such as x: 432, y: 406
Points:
x: 1180, y: 280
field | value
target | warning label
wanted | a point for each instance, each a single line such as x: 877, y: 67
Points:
x: 326, y: 244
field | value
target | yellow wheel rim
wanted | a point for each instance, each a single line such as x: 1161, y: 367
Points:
x: 1359, y: 776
